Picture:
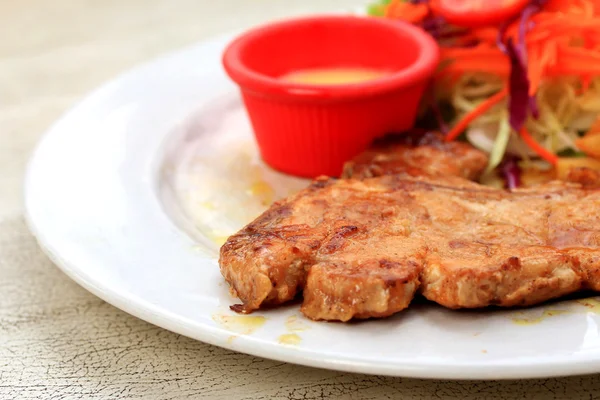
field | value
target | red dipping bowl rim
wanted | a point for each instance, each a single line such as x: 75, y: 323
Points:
x: 421, y: 69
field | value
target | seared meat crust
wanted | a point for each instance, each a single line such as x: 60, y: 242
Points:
x: 364, y: 248
x: 424, y: 153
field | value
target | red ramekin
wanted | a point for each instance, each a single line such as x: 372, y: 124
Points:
x: 311, y: 130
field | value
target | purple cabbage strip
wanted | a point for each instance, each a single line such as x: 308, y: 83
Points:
x: 432, y: 24
x: 524, y: 26
x: 511, y: 173
x: 437, y: 27
x: 520, y: 103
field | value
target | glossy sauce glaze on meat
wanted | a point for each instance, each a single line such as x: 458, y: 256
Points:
x: 362, y: 247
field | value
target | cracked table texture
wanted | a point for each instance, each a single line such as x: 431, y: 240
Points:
x: 57, y: 340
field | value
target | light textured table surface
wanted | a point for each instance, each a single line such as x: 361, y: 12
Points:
x: 57, y: 340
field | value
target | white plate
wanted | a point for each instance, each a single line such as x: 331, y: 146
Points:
x: 131, y: 190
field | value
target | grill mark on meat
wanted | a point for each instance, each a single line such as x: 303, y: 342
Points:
x: 338, y: 239
x: 387, y: 264
x: 273, y: 215
x: 314, y: 245
x: 262, y: 246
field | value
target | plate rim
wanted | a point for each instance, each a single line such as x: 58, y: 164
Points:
x: 541, y: 368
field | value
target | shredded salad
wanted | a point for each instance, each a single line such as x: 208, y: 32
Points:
x: 520, y: 78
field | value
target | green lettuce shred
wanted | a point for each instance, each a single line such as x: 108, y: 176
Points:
x: 377, y: 9
x: 497, y: 153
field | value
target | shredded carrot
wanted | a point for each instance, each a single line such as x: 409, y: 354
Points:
x: 535, y: 70
x: 561, y: 39
x: 481, y: 51
x: 572, y: 68
x: 475, y: 113
x: 535, y: 146
x: 482, y: 58
x: 413, y: 13
x: 486, y: 35
x: 548, y: 41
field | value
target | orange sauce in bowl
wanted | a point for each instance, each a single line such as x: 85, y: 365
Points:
x: 334, y: 76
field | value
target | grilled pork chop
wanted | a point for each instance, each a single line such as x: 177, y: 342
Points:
x: 362, y: 248
x: 426, y: 151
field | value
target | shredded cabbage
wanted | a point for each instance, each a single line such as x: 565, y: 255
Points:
x: 565, y: 110
x: 499, y: 148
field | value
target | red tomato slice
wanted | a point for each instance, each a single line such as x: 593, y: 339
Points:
x: 475, y: 13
